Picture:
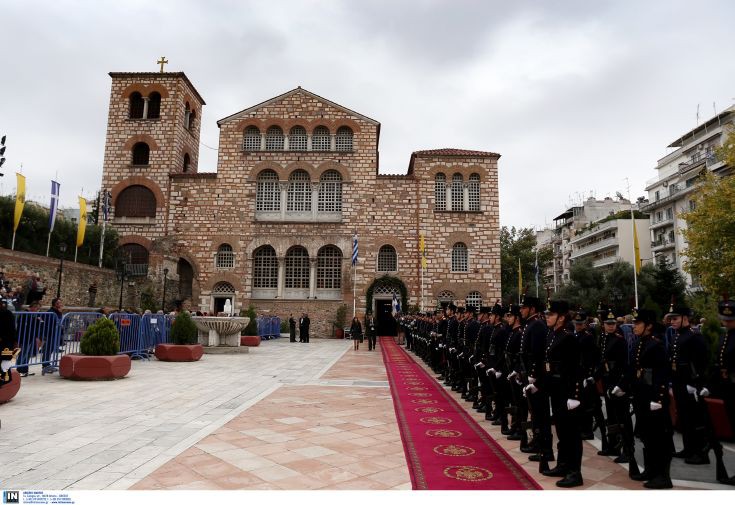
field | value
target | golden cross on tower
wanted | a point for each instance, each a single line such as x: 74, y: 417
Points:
x: 162, y: 62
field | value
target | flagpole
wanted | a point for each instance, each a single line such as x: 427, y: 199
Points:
x: 48, y: 244
x: 422, y: 285
x: 102, y: 241
x: 537, y: 271
x: 632, y: 229
x: 354, y: 291
x: 12, y: 244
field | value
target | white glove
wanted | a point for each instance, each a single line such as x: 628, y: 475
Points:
x: 472, y: 356
x: 532, y: 380
x: 572, y: 404
x: 5, y: 365
x: 588, y: 380
x: 498, y: 375
x: 512, y: 375
x: 530, y: 389
x: 691, y: 390
x: 460, y: 355
x: 655, y: 406
x: 492, y: 370
x: 704, y: 392
x: 618, y: 392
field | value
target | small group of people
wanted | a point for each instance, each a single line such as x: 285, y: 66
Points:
x: 358, y: 335
x: 33, y: 290
x: 533, y: 366
x: 303, y: 323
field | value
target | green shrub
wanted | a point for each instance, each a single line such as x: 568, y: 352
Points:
x: 101, y: 339
x: 284, y: 326
x: 252, y: 327
x: 184, y: 331
x: 148, y: 299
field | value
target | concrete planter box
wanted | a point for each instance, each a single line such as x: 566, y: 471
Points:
x: 80, y: 367
x: 250, y: 340
x: 175, y: 352
x: 8, y: 391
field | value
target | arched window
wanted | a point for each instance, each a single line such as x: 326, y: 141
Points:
x: 223, y: 288
x: 267, y: 195
x: 321, y: 139
x: 440, y: 192
x: 457, y: 192
x: 474, y: 192
x: 192, y: 120
x: 265, y: 268
x: 141, y: 154
x: 297, y: 268
x: 134, y: 254
x: 154, y: 105
x: 136, y: 106
x: 459, y: 258
x: 329, y: 268
x: 187, y: 115
x: 299, y: 192
x: 225, y: 257
x: 474, y: 299
x: 187, y: 162
x: 251, y: 141
x: 445, y: 296
x: 343, y: 140
x: 297, y: 139
x: 135, y: 201
x: 330, y: 192
x: 387, y: 259
x: 274, y: 139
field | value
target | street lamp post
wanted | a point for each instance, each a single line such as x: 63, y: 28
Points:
x: 163, y: 299
x: 121, y: 274
x: 62, y: 249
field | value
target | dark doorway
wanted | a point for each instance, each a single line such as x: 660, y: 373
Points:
x: 219, y: 304
x: 386, y: 323
x: 186, y: 278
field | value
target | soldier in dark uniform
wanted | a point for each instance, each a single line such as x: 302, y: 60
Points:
x: 458, y: 382
x: 651, y: 371
x: 450, y: 344
x: 472, y: 330
x: 725, y: 362
x: 688, y: 360
x: 513, y: 369
x: 563, y: 380
x: 533, y: 376
x: 484, y: 402
x: 590, y: 360
x: 496, y: 358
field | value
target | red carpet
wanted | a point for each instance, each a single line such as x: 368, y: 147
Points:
x: 445, y: 447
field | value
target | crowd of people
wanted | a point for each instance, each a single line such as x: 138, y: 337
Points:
x: 529, y: 367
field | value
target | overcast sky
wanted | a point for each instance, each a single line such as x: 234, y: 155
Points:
x: 575, y: 95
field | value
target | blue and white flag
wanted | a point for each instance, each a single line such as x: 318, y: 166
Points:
x: 354, y: 250
x: 396, y: 305
x: 54, y: 204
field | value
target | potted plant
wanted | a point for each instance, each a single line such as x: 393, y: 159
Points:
x: 183, y: 337
x: 249, y: 336
x: 99, y: 358
x: 340, y: 320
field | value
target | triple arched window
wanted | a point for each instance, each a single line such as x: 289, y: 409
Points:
x: 297, y: 139
x: 298, y: 198
x: 457, y: 195
x: 303, y: 198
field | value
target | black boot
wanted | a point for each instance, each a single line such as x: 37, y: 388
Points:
x: 572, y: 479
x: 698, y: 459
x: 663, y: 479
x: 538, y: 457
x: 557, y: 471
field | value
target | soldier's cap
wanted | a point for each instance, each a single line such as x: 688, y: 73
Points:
x: 679, y: 309
x: 437, y: 311
x: 580, y: 317
x: 461, y: 310
x: 532, y: 301
x: 485, y: 310
x: 498, y: 309
x: 514, y: 310
x: 609, y: 317
x: 645, y: 316
x: 558, y: 307
x: 726, y: 310
x: 452, y: 307
x: 472, y: 309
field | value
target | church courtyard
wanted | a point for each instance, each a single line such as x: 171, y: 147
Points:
x: 286, y: 416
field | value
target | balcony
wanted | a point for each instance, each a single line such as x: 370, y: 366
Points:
x: 675, y: 192
x: 603, y: 262
x: 662, y: 244
x: 594, y: 230
x: 667, y: 221
x: 586, y: 249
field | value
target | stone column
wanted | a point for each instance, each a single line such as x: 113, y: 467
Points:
x: 308, y: 141
x: 145, y: 107
x: 283, y: 186
x: 262, y: 141
x: 281, y: 275
x: 314, y: 199
x: 449, y: 196
x: 312, y: 277
x: 285, y: 142
x: 466, y: 196
x: 333, y: 142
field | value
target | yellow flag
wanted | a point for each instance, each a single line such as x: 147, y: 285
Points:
x: 636, y: 248
x: 422, y: 250
x: 20, y: 200
x: 82, y: 221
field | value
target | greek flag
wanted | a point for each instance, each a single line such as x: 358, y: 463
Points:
x: 396, y: 305
x: 54, y: 204
x: 354, y: 250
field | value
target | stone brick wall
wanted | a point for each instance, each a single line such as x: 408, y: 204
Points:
x: 201, y: 211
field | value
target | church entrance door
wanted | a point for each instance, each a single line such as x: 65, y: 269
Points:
x: 386, y: 324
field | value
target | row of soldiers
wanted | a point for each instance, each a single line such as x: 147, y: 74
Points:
x: 527, y: 368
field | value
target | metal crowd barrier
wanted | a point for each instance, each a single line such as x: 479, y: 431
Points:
x: 269, y: 327
x: 73, y: 326
x: 38, y: 340
x: 155, y: 329
x: 131, y: 336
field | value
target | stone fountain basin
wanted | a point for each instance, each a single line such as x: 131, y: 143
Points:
x: 221, y: 331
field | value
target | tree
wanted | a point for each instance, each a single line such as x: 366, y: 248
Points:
x: 710, y: 232
x: 515, y: 244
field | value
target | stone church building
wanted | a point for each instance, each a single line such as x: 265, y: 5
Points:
x: 297, y: 177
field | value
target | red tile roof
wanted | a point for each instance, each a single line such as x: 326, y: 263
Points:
x: 449, y: 151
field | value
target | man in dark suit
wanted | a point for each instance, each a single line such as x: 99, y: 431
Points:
x: 304, y: 328
x: 292, y: 328
x: 370, y: 330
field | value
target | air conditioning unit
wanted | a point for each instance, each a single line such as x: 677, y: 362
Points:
x: 666, y: 184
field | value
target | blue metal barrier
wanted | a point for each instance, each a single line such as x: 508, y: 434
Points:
x: 155, y: 329
x: 275, y: 327
x: 131, y: 337
x: 38, y: 340
x: 73, y: 326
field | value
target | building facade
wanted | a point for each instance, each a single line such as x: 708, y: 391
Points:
x: 297, y: 178
x: 671, y: 192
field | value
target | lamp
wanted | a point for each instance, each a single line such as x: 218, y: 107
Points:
x: 163, y: 299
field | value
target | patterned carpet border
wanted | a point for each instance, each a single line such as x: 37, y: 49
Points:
x: 434, y: 471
